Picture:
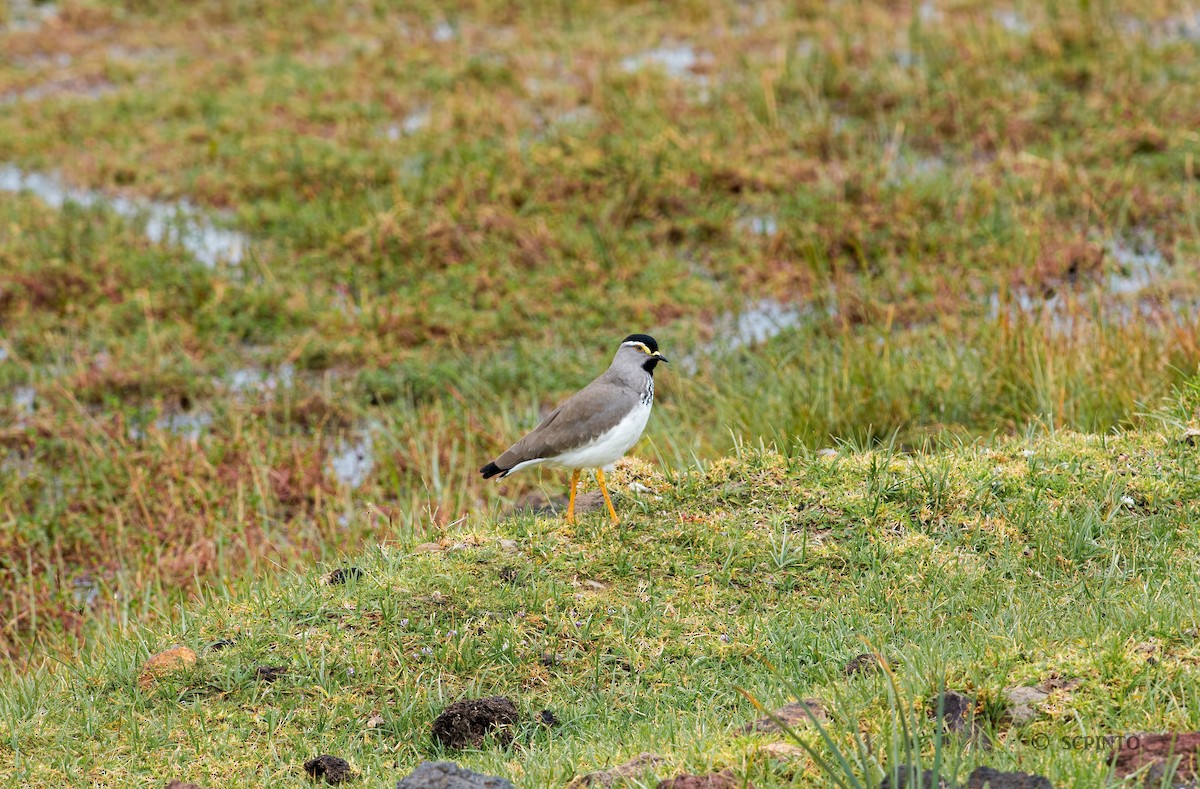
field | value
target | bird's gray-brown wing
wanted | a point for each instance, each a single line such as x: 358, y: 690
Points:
x: 593, y: 410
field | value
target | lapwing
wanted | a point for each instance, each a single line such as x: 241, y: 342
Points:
x: 596, y: 426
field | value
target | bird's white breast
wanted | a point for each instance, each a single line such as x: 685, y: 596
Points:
x: 607, y: 448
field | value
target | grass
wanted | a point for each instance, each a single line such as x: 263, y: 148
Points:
x: 455, y: 210
x: 975, y: 567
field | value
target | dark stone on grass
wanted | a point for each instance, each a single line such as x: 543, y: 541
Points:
x: 448, y: 775
x: 1157, y: 751
x: 792, y: 715
x: 904, y: 779
x: 722, y: 780
x: 1022, y: 703
x: 467, y: 722
x: 866, y: 663
x: 331, y: 768
x: 217, y: 646
x: 547, y: 718
x: 269, y: 673
x: 343, y: 575
x: 992, y: 778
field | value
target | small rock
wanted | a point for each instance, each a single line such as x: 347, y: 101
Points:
x: 550, y: 659
x: 1156, y: 750
x: 331, y: 768
x: 448, y: 775
x: 634, y: 768
x: 905, y: 779
x: 467, y: 722
x: 547, y: 718
x: 428, y: 547
x: 722, y: 780
x: 509, y: 546
x: 375, y: 721
x: 991, y: 778
x: 782, y: 750
x: 1022, y: 703
x: 269, y: 673
x: 166, y: 662
x: 590, y: 584
x: 865, y: 663
x: 343, y: 575
x: 217, y: 646
x: 793, y: 714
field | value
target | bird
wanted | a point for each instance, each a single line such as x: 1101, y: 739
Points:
x: 596, y: 426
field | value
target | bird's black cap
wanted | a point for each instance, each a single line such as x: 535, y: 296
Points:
x: 644, y: 339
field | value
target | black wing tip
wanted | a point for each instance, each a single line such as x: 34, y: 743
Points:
x: 491, y: 470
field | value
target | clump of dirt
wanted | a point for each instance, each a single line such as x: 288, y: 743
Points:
x: 633, y: 768
x: 343, y: 575
x: 166, y: 662
x: 1158, y: 750
x: 722, y: 780
x: 331, y: 768
x: 958, y: 710
x: 793, y: 714
x: 866, y: 663
x: 269, y: 673
x: 547, y: 718
x: 467, y: 722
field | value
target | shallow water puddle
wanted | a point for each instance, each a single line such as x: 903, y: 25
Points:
x: 178, y: 223
x: 754, y: 324
x: 413, y: 122
x: 1181, y: 28
x: 678, y: 61
x: 24, y: 401
x: 1012, y: 20
x: 1140, y: 265
x: 186, y: 424
x: 354, y: 460
x: 25, y: 16
x: 74, y: 87
x: 245, y: 380
x: 759, y: 225
x: 1140, y: 262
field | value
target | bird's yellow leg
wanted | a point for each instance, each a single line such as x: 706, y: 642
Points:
x: 571, y: 497
x: 612, y: 512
